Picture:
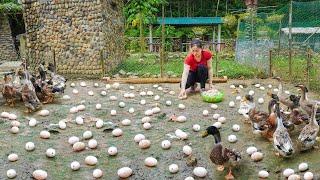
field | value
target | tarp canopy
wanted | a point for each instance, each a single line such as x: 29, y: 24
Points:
x: 190, y: 21
x: 302, y: 30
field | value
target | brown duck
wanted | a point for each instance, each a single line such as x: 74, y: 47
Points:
x: 265, y: 122
x: 296, y: 116
x: 29, y: 98
x: 9, y: 92
x: 305, y: 103
x: 219, y: 155
x: 282, y: 97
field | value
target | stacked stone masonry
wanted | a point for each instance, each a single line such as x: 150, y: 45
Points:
x: 7, y: 49
x: 84, y: 35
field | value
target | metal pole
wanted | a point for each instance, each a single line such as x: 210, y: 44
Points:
x: 290, y: 40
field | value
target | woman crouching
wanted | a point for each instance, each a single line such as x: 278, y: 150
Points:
x: 197, y: 68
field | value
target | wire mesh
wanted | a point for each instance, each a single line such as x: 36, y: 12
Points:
x: 261, y: 32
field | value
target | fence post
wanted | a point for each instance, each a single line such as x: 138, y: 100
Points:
x: 102, y: 64
x: 309, y: 56
x: 270, y: 63
x: 217, y: 63
x: 290, y: 41
x: 54, y: 61
x: 279, y: 36
x: 162, y: 54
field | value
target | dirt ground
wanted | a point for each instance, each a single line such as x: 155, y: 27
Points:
x: 129, y: 153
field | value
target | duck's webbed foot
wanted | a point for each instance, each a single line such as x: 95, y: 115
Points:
x: 229, y: 176
x: 220, y: 168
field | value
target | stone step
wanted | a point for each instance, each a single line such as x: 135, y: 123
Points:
x: 9, y: 65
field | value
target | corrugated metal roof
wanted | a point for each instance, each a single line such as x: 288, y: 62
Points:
x: 190, y: 21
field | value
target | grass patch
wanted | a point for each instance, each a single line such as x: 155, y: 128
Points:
x: 150, y: 66
x: 299, y: 70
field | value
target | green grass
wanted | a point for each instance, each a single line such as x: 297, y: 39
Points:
x: 299, y: 70
x: 150, y: 65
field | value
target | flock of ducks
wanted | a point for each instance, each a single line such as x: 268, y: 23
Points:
x: 275, y: 125
x: 32, y: 90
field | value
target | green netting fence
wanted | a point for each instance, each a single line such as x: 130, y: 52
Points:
x: 263, y: 42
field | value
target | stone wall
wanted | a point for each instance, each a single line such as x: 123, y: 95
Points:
x: 7, y: 49
x: 78, y: 32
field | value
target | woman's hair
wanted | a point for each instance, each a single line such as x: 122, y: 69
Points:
x: 196, y: 42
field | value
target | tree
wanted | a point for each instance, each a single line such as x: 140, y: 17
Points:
x: 9, y: 6
x: 139, y: 13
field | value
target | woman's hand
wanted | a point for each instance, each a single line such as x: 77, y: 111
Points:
x: 211, y: 86
x: 182, y: 94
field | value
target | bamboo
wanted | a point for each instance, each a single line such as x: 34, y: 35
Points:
x: 155, y: 80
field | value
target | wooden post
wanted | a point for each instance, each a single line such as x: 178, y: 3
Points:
x: 226, y: 7
x: 309, y: 57
x: 270, y: 63
x: 150, y: 38
x: 213, y: 38
x: 238, y: 31
x: 162, y: 43
x: 216, y: 63
x: 253, y: 51
x: 27, y: 52
x: 290, y: 40
x: 279, y: 42
x: 219, y: 37
x: 102, y: 63
x: 54, y: 61
x: 142, y: 44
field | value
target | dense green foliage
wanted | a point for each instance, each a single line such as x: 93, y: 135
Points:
x: 138, y: 13
x: 230, y: 10
x: 9, y: 6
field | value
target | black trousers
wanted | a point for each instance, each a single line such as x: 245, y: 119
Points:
x: 200, y: 75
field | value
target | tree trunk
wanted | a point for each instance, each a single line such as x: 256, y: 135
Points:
x: 217, y: 8
x: 142, y: 44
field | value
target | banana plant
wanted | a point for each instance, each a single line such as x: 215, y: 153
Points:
x: 139, y: 13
